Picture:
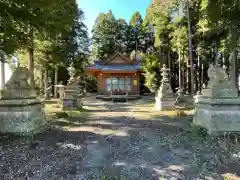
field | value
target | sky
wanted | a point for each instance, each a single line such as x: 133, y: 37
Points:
x: 120, y: 8
x: 8, y: 74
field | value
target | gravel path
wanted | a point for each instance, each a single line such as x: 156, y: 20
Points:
x: 111, y: 143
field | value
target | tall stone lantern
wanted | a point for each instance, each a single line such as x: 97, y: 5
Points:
x: 72, y: 89
x: 164, y: 97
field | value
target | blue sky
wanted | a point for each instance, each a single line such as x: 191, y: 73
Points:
x: 120, y: 8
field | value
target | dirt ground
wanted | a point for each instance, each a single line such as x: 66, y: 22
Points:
x: 118, y: 141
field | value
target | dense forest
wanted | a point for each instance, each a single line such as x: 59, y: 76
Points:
x: 185, y: 35
x: 182, y: 34
x: 43, y: 34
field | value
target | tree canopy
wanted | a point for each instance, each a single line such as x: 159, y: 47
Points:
x: 59, y: 33
x: 56, y: 33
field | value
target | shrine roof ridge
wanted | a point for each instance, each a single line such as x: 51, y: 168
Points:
x: 116, y: 67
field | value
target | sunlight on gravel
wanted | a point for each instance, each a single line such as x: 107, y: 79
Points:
x: 95, y: 130
x: 118, y: 141
x: 51, y: 108
x: 148, y: 111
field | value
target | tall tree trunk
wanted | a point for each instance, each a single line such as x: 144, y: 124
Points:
x: 187, y: 78
x: 169, y: 66
x: 179, y: 69
x: 233, y: 72
x: 190, y: 49
x: 2, y: 60
x: 42, y: 81
x: 160, y: 55
x: 202, y: 76
x: 31, y: 59
x: 198, y: 82
x: 46, y: 94
x: 55, y: 80
x: 85, y: 84
x: 183, y: 70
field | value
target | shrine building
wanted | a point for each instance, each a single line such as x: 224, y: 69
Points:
x: 117, y: 77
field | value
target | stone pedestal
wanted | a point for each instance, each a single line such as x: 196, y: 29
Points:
x: 164, y: 103
x: 218, y: 107
x: 71, y: 98
x: 20, y: 111
x: 218, y: 115
x: 164, y: 98
x: 21, y: 116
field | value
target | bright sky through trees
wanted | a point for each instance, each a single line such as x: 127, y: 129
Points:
x: 8, y: 73
x: 120, y: 8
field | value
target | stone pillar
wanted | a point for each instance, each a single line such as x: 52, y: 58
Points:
x: 165, y: 98
x: 2, y: 71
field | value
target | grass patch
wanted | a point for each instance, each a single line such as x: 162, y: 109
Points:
x: 54, y: 111
x: 51, y: 108
x: 172, y: 113
x: 146, y: 104
x: 152, y: 113
x: 148, y: 109
x: 76, y: 113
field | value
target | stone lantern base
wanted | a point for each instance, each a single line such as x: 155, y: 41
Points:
x: 218, y: 115
x: 70, y: 103
x: 20, y: 111
x: 164, y: 103
x: 23, y: 114
x: 71, y: 98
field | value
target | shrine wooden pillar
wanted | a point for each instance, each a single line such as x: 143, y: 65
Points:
x: 56, y: 80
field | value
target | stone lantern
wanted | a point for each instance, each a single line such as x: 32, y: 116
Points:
x: 71, y: 91
x: 164, y: 97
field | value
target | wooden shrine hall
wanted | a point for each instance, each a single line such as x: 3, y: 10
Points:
x: 117, y: 77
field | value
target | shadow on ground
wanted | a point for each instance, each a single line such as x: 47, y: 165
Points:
x: 117, y: 146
